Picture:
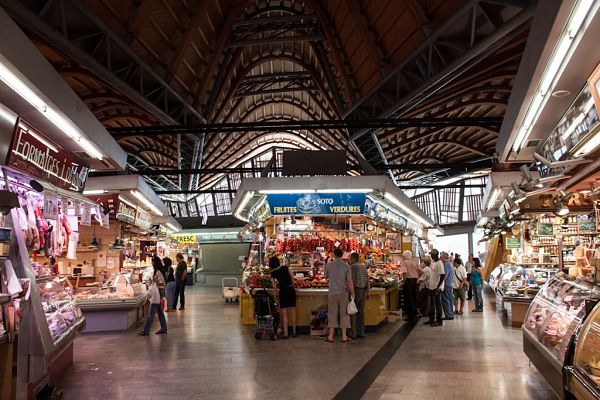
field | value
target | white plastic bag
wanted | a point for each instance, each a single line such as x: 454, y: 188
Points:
x: 153, y: 294
x: 352, y: 309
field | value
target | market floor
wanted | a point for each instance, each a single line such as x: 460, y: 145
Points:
x: 208, y: 354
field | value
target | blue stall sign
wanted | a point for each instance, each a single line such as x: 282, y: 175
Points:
x: 316, y: 203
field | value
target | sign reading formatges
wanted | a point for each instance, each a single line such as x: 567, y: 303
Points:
x: 33, y: 153
x: 316, y: 203
x: 185, y: 238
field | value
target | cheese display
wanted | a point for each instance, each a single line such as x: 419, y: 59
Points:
x: 59, y: 306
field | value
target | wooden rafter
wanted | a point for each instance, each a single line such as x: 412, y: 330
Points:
x: 373, y: 48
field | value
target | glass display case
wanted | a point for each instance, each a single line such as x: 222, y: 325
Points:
x: 514, y: 280
x: 553, y: 318
x: 62, y: 312
x: 584, y: 375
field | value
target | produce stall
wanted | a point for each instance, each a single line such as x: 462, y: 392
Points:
x: 304, y: 226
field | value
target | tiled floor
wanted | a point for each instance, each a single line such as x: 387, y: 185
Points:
x: 208, y: 354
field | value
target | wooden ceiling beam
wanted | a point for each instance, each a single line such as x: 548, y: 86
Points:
x: 194, y: 23
x: 368, y: 36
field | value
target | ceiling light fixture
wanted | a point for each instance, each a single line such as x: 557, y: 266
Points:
x: 558, y: 60
x: 518, y: 195
x: 61, y: 122
x: 530, y: 181
x: 147, y: 202
x: 562, y: 209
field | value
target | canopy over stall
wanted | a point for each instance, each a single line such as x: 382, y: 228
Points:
x: 377, y: 197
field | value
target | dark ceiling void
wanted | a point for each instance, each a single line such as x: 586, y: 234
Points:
x: 226, y: 70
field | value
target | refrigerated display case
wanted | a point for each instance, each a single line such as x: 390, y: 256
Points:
x: 554, y: 316
x: 63, y: 315
x: 583, y: 377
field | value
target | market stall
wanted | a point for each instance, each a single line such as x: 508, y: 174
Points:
x: 302, y: 221
x: 42, y: 206
x: 556, y: 315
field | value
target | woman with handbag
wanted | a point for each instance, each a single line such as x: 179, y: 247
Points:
x: 460, y: 286
x: 155, y: 307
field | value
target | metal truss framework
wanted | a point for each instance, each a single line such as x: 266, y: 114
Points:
x: 275, y: 83
x: 448, y: 50
x: 286, y: 125
x: 474, y: 32
x: 452, y: 204
x: 70, y: 27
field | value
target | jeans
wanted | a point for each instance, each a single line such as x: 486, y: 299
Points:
x: 448, y: 302
x: 410, y: 298
x: 478, y: 296
x: 155, y: 308
x: 179, y: 294
x: 170, y: 292
x: 357, y: 321
x: 435, y: 306
x: 470, y: 291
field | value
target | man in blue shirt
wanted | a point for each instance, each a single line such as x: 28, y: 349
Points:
x: 447, y: 302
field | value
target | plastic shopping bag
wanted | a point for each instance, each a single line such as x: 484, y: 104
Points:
x: 352, y: 309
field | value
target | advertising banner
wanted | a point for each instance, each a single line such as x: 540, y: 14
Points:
x: 316, y: 203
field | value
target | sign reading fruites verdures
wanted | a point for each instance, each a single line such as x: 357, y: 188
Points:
x: 36, y: 155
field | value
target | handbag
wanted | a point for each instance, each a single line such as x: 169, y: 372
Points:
x: 352, y: 309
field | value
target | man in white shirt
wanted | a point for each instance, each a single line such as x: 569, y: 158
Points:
x: 435, y: 284
x: 469, y: 267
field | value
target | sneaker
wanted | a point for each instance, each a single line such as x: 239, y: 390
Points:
x: 142, y: 333
x: 428, y: 323
x: 475, y: 310
x: 436, y: 324
x: 448, y: 318
x: 160, y: 332
x: 182, y: 308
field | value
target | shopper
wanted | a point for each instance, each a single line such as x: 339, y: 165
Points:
x: 170, y: 279
x: 448, y: 287
x: 477, y: 281
x: 423, y: 294
x: 460, y: 283
x: 469, y: 267
x: 412, y: 273
x: 53, y: 265
x: 435, y: 284
x: 339, y: 275
x: 159, y: 275
x: 155, y: 307
x: 283, y: 285
x: 180, y: 277
x: 362, y: 286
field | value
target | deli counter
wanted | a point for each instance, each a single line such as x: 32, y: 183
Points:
x: 516, y: 286
x: 553, y: 326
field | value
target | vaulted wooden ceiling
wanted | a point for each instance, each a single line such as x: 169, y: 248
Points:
x: 256, y: 60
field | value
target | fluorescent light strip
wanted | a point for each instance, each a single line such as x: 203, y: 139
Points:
x: 91, y: 192
x: 590, y: 146
x: 62, y: 123
x: 287, y: 191
x: 147, y: 202
x: 404, y: 207
x: 560, y: 57
x: 493, y: 198
x: 172, y: 227
x: 41, y: 139
x: 344, y: 190
x: 129, y: 203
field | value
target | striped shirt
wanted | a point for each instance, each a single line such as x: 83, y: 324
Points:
x: 360, y: 276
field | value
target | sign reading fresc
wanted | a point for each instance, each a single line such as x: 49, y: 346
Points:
x: 316, y: 203
x: 35, y: 154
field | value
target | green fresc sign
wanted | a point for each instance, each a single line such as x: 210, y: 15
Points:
x: 513, y: 243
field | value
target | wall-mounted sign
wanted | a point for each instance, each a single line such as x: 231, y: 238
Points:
x: 126, y: 213
x: 143, y: 219
x: 184, y: 238
x: 586, y: 224
x: 513, y: 243
x: 316, y: 203
x: 375, y: 209
x: 36, y: 155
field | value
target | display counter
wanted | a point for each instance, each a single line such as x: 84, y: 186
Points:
x: 556, y: 313
x: 516, y: 285
x: 583, y: 377
x: 112, y: 308
x: 311, y: 300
